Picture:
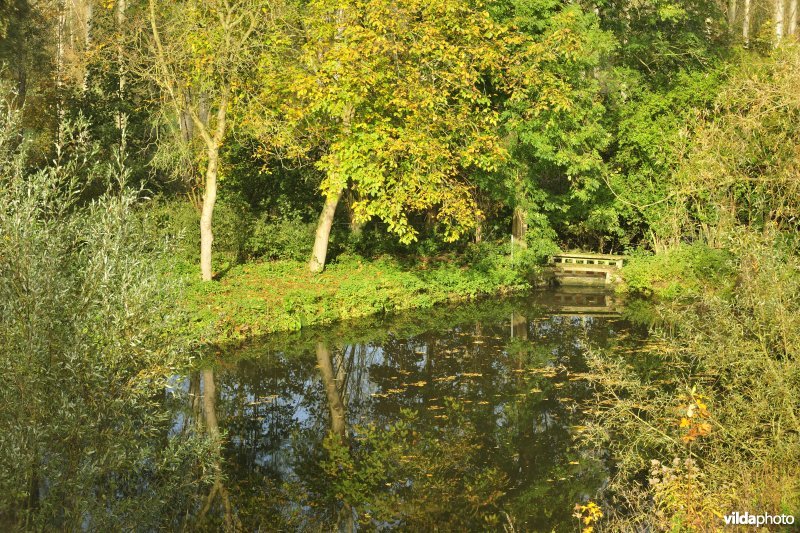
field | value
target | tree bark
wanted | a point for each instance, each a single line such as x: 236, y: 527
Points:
x: 519, y: 226
x: 207, y: 214
x: 779, y: 12
x: 355, y: 227
x: 731, y: 14
x: 335, y: 404
x: 792, y: 17
x: 746, y: 24
x: 320, y: 251
x: 121, y: 117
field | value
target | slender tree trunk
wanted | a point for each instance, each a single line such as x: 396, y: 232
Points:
x: 746, y: 24
x: 320, y: 251
x: 86, y: 23
x: 210, y: 192
x: 335, y: 403
x: 121, y: 116
x: 519, y: 226
x: 207, y: 214
x: 60, y: 53
x: 779, y: 12
x: 792, y: 17
x: 731, y: 14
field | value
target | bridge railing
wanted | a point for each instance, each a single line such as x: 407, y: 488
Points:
x: 587, y: 259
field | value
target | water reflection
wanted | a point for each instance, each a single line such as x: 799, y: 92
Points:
x: 458, y: 418
x: 464, y: 419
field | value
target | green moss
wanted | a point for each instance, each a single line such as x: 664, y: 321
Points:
x: 260, y: 298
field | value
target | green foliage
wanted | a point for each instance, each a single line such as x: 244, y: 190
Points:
x: 177, y: 222
x: 280, y: 239
x: 258, y: 298
x: 688, y: 270
x: 385, y: 89
x: 721, y: 429
x: 554, y: 119
x: 87, y: 346
x: 651, y: 141
x: 743, y: 167
x: 238, y: 234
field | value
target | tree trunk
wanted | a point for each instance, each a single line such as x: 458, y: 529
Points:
x: 86, y: 23
x: 519, y: 226
x: 779, y: 12
x: 207, y: 214
x: 792, y: 17
x: 746, y: 24
x: 731, y: 14
x: 335, y: 403
x: 121, y: 117
x: 320, y: 251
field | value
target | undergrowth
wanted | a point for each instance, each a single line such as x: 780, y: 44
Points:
x: 720, y: 432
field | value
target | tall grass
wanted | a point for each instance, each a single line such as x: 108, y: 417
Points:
x: 719, y: 431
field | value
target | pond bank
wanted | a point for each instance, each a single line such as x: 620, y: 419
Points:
x: 260, y: 298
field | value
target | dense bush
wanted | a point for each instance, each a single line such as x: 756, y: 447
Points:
x: 86, y: 347
x: 280, y: 239
x: 719, y: 430
x: 682, y: 271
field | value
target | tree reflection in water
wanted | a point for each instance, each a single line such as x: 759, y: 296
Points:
x: 468, y: 423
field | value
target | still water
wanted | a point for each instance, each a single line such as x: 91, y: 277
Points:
x: 462, y: 418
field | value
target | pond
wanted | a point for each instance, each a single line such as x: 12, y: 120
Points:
x: 464, y: 417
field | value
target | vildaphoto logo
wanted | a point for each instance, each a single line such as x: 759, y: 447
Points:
x: 758, y: 520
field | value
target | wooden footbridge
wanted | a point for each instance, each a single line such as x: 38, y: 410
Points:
x: 585, y: 269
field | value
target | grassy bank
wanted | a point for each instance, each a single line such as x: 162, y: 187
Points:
x: 685, y: 272
x: 265, y: 297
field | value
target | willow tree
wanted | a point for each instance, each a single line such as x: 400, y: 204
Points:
x: 399, y: 99
x: 201, y: 55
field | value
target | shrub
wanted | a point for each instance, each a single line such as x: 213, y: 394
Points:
x: 280, y: 239
x: 177, y: 223
x: 86, y: 347
x: 682, y: 271
x: 719, y: 429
